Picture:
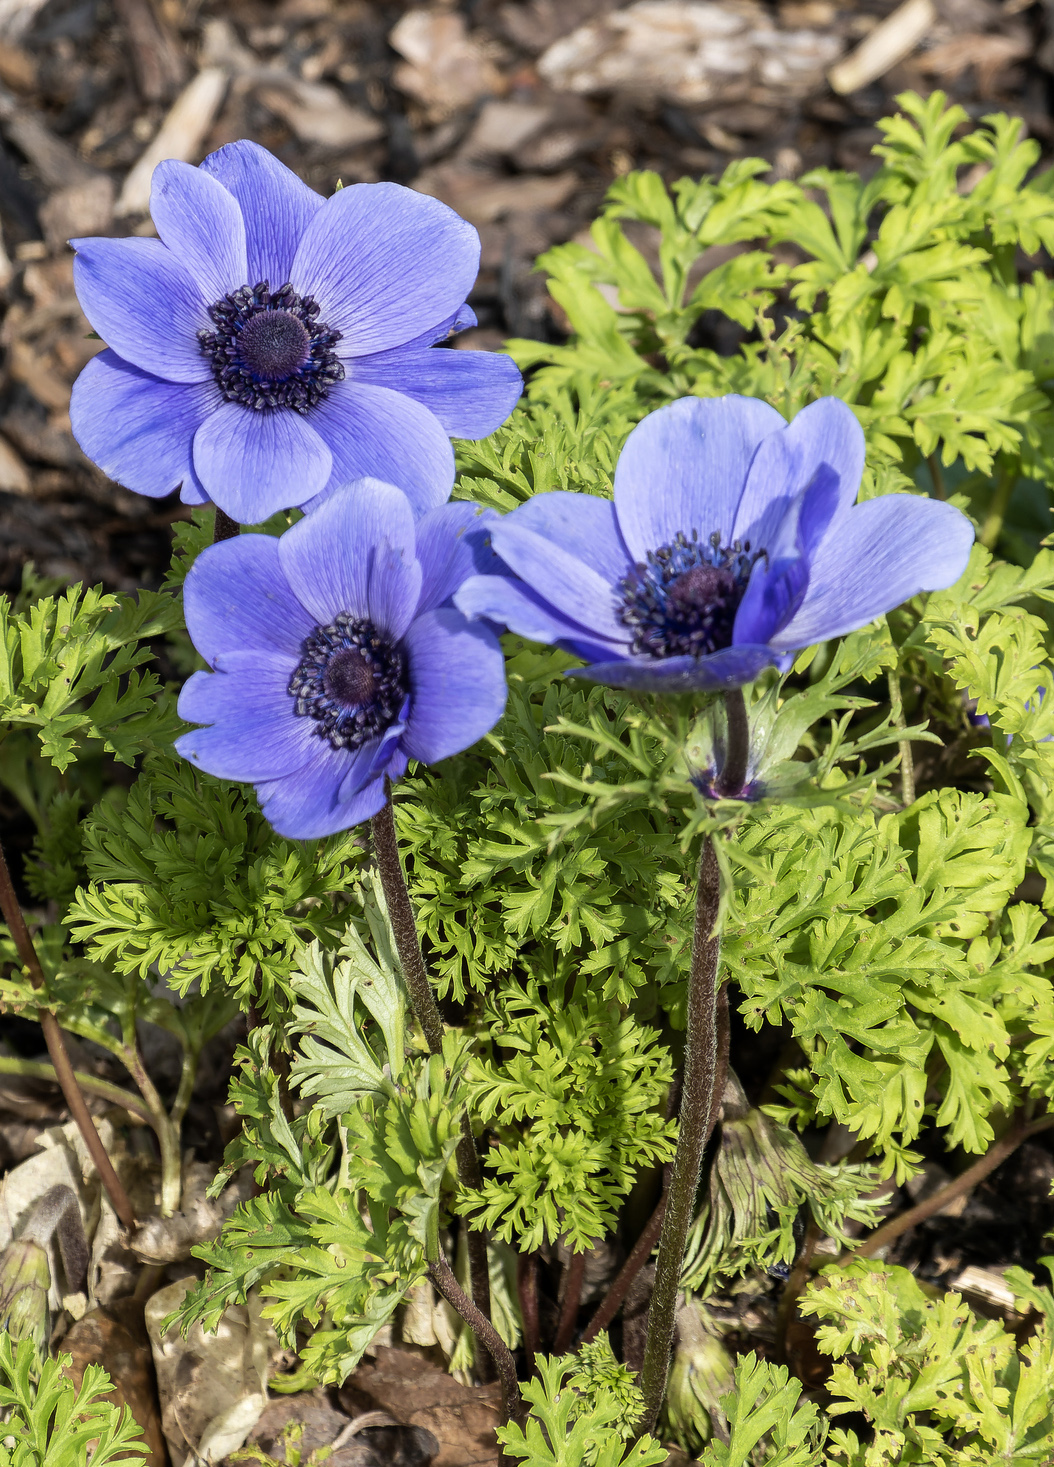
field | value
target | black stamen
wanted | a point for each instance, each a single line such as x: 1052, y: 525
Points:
x: 684, y: 600
x: 351, y: 680
x: 270, y: 350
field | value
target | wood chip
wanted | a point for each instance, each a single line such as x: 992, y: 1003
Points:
x: 317, y: 113
x: 889, y: 42
x: 180, y: 136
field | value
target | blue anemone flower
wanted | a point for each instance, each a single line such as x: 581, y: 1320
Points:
x: 733, y: 541
x: 273, y: 345
x: 337, y: 655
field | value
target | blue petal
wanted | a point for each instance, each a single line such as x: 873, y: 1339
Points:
x: 684, y: 467
x: 394, y: 589
x: 459, y: 320
x: 255, y: 463
x: 470, y: 392
x: 236, y: 599
x: 305, y: 805
x: 452, y: 544
x: 384, y: 263
x: 729, y: 668
x: 137, y: 428
x: 824, y: 433
x: 875, y: 556
x: 509, y: 603
x: 375, y: 433
x: 328, y: 556
x: 571, y: 587
x: 377, y: 758
x: 780, y: 576
x: 276, y: 206
x: 200, y: 222
x: 457, y: 685
x: 254, y: 733
x: 144, y: 304
x: 583, y: 525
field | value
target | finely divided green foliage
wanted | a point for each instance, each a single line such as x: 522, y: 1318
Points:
x: 912, y: 310
x: 50, y: 1422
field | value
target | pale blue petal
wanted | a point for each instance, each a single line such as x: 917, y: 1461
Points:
x: 573, y: 588
x: 327, y: 556
x: 394, y: 589
x: 144, y: 304
x: 276, y: 206
x: 375, y: 433
x: 581, y: 524
x: 255, y: 463
x: 457, y: 685
x: 470, y: 392
x: 137, y: 428
x: 824, y: 434
x: 200, y: 222
x: 305, y: 805
x: 684, y: 467
x: 384, y: 263
x: 453, y: 544
x: 236, y: 598
x: 729, y: 668
x: 509, y: 603
x: 875, y: 556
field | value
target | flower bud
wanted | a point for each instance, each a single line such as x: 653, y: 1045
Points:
x: 700, y: 1374
x: 25, y: 1278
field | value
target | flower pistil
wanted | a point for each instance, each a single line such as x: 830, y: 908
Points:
x: 270, y: 350
x: 683, y: 600
x: 351, y: 680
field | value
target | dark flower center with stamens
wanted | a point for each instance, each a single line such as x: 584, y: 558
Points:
x: 351, y: 680
x: 270, y: 350
x: 683, y: 601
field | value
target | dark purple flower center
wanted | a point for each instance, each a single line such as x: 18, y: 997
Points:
x: 269, y: 349
x: 351, y: 680
x: 683, y: 600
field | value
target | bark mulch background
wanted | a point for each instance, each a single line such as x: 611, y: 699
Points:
x: 519, y: 115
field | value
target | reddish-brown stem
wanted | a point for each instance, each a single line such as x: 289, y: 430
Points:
x: 1020, y: 1131
x: 639, y: 1255
x: 226, y: 528
x: 527, y: 1289
x: 9, y: 905
x: 565, y: 1329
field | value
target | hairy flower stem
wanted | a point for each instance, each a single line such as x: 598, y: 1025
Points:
x: 426, y: 1012
x: 16, y: 923
x: 574, y: 1274
x: 527, y: 1293
x: 733, y: 776
x: 226, y: 528
x: 701, y: 1066
x: 442, y: 1276
x: 907, y: 762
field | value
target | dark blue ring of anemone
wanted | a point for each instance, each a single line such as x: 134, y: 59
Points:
x: 270, y: 350
x: 351, y: 680
x: 683, y: 600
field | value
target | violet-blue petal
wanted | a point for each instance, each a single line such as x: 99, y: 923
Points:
x: 460, y: 320
x: 254, y: 464
x: 384, y: 263
x: 394, y: 589
x: 375, y: 433
x: 470, y: 392
x: 571, y: 586
x: 684, y: 466
x: 583, y: 525
x: 826, y: 432
x: 253, y: 732
x: 729, y: 668
x: 875, y: 556
x: 236, y: 598
x: 144, y: 304
x: 452, y: 544
x: 138, y: 428
x: 772, y: 597
x: 375, y: 759
x: 200, y: 222
x: 509, y: 603
x: 457, y: 684
x: 304, y: 805
x: 327, y: 556
x: 276, y: 205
